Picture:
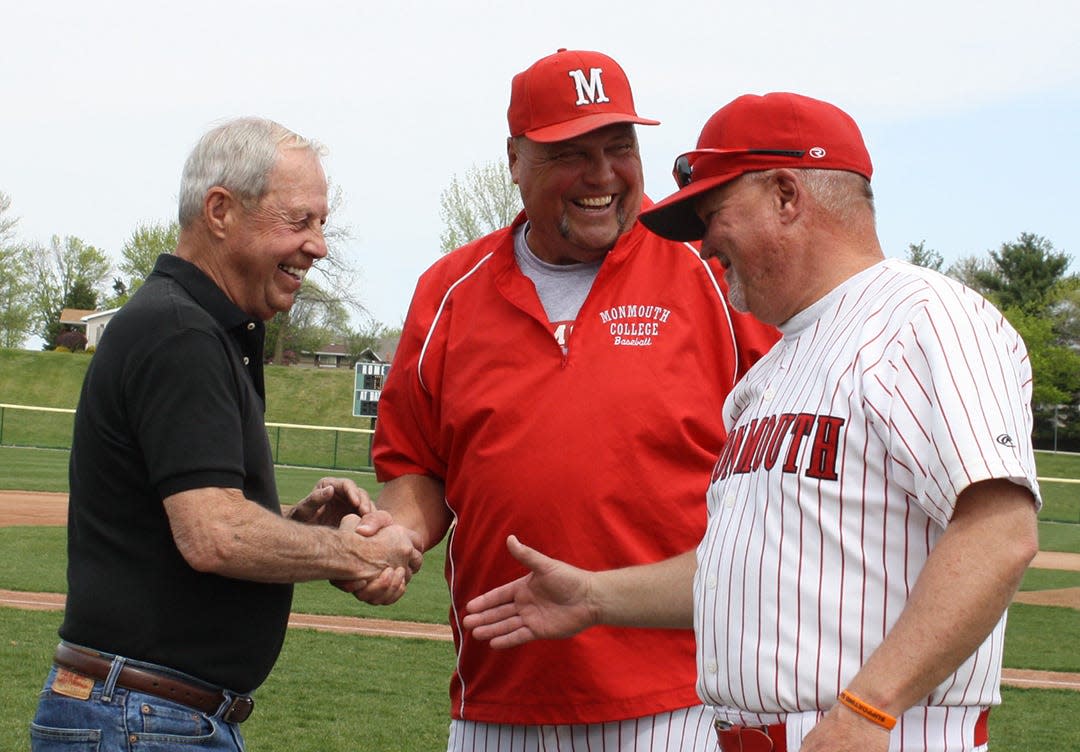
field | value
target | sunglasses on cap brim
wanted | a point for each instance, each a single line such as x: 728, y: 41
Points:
x: 683, y: 171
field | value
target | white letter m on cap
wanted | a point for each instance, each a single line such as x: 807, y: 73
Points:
x: 591, y: 91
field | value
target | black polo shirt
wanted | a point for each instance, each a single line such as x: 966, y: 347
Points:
x: 173, y: 400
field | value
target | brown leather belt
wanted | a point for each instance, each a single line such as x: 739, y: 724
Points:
x: 165, y: 686
x: 732, y: 738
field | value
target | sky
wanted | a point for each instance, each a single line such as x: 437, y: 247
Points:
x: 970, y: 110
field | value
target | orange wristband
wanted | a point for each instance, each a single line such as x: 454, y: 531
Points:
x: 866, y: 710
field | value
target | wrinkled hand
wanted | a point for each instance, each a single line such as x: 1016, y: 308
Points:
x: 393, y: 551
x: 330, y: 501
x: 841, y: 730
x: 550, y: 602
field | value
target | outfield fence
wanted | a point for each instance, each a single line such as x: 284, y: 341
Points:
x: 331, y: 447
x: 328, y: 447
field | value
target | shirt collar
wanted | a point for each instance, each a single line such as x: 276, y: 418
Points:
x: 248, y: 332
x: 207, y: 294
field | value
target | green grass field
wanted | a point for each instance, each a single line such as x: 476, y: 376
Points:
x: 344, y: 692
x: 43, y: 379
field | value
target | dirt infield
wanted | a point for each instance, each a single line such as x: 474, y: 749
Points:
x: 340, y: 624
x: 32, y: 508
x: 24, y: 508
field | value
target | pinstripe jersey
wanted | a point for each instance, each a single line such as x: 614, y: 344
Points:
x: 849, y: 443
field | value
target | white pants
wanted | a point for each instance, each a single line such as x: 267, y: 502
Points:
x: 686, y: 730
x: 933, y: 729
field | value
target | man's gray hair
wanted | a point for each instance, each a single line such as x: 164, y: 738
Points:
x: 839, y: 192
x: 238, y: 156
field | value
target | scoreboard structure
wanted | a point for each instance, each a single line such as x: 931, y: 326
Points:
x: 368, y: 387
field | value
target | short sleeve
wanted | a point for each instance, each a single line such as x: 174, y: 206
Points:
x: 185, y: 411
x: 960, y: 402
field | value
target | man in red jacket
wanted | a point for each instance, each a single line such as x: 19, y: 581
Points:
x: 565, y: 376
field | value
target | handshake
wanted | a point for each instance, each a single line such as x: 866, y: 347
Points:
x: 389, y: 555
x: 375, y: 556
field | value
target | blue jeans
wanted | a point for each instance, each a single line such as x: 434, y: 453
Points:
x: 114, y: 719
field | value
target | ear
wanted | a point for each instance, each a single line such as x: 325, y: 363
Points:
x: 512, y: 158
x: 218, y: 207
x: 788, y: 194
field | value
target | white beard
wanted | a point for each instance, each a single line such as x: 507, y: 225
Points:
x: 736, y: 294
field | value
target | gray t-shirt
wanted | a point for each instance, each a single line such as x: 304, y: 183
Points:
x: 562, y: 287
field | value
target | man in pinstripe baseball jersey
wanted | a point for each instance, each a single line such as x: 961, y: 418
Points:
x: 874, y: 507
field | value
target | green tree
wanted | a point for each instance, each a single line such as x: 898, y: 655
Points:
x: 370, y: 334
x: 920, y: 255
x: 317, y: 318
x: 1025, y: 274
x: 69, y: 273
x: 1067, y: 311
x: 82, y: 297
x: 1055, y: 366
x: 148, y: 241
x: 481, y: 201
x: 967, y: 270
x: 7, y: 223
x: 16, y: 315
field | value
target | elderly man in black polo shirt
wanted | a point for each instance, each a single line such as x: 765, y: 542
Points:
x: 180, y: 562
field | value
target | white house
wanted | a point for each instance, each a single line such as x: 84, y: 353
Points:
x: 93, y: 322
x: 95, y: 325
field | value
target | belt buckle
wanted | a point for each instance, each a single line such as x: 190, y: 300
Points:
x: 239, y: 709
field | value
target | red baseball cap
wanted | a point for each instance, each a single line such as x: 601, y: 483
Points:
x: 754, y: 133
x: 569, y: 93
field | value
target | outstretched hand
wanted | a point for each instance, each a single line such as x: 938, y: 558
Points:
x: 551, y: 602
